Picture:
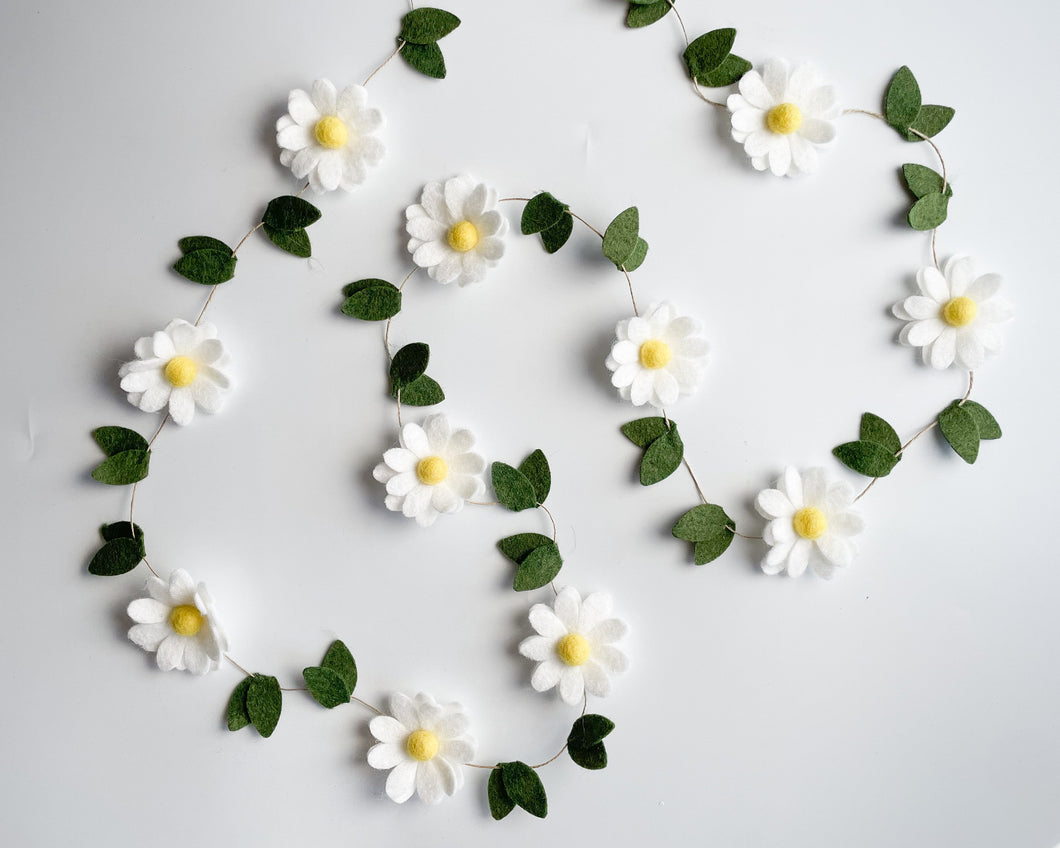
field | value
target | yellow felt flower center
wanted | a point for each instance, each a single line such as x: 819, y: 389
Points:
x: 959, y: 311
x: 331, y: 132
x: 186, y: 620
x: 432, y: 470
x: 784, y: 118
x: 422, y: 745
x: 809, y: 522
x: 573, y: 649
x: 463, y: 236
x: 655, y: 354
x: 180, y: 371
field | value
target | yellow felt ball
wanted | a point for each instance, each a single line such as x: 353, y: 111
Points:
x: 573, y: 649
x: 463, y: 236
x: 331, y: 132
x: 655, y: 354
x: 422, y: 745
x: 809, y: 522
x: 784, y: 119
x: 185, y: 620
x: 432, y: 470
x: 180, y: 371
x: 960, y: 311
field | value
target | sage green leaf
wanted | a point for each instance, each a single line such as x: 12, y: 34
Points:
x: 930, y: 121
x: 866, y: 458
x: 636, y: 258
x: 238, y: 718
x: 620, y: 237
x: 538, y: 568
x: 585, y: 742
x: 326, y: 686
x: 902, y: 101
x: 408, y: 364
x: 729, y: 72
x: 371, y: 300
x: 643, y: 431
x: 929, y: 212
x: 708, y: 550
x: 118, y: 440
x: 123, y: 468
x: 423, y: 391
x: 264, y: 703
x: 519, y: 546
x: 208, y: 266
x: 645, y: 14
x: 425, y: 58
x: 708, y: 52
x: 662, y: 458
x: 702, y: 522
x: 875, y: 429
x: 295, y: 242
x: 512, y: 487
x: 535, y: 468
x: 959, y: 429
x: 556, y: 236
x: 117, y: 556
x: 923, y: 181
x: 524, y: 787
x: 339, y: 660
x: 290, y: 213
x: 984, y: 421
x: 500, y: 803
x: 190, y: 243
x: 427, y: 25
x: 541, y: 212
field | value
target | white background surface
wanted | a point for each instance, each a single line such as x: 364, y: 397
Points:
x: 912, y: 701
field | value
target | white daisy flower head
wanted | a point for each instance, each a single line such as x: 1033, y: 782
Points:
x: 658, y: 357
x: 432, y: 472
x: 456, y: 231
x: 425, y: 743
x: 810, y: 523
x: 955, y: 319
x: 781, y: 116
x: 574, y: 647
x: 181, y: 366
x: 328, y: 137
x: 178, y: 622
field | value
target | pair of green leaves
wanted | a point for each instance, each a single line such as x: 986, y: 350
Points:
x: 205, y: 260
x: 408, y: 382
x: 128, y: 457
x: 257, y: 700
x: 709, y: 61
x: 622, y: 242
x: 585, y: 743
x: 708, y: 528
x: 550, y: 217
x: 284, y: 223
x: 536, y: 557
x: 524, y: 487
x: 663, y: 448
x: 932, y: 194
x: 644, y: 13
x: 516, y: 784
x: 371, y: 300
x: 877, y: 451
x: 332, y: 682
x: 420, y: 31
x: 964, y: 424
x: 123, y: 548
x: 905, y: 112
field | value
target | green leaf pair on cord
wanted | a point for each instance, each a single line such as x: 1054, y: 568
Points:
x: 205, y: 260
x: 371, y: 300
x: 128, y: 456
x: 932, y: 194
x: 420, y: 31
x: 964, y: 424
x: 550, y: 217
x: 332, y: 682
x: 663, y: 448
x: 123, y: 548
x: 644, y: 13
x: 710, y: 62
x: 905, y: 111
x: 284, y: 223
x: 408, y: 382
x: 708, y: 528
x: 622, y: 242
x: 877, y: 451
x: 257, y: 700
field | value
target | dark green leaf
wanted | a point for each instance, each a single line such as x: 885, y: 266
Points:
x: 984, y: 421
x: 117, y: 556
x: 371, y: 300
x: 427, y: 25
x: 339, y: 660
x: 702, y: 522
x: 922, y: 180
x: 729, y: 72
x: 237, y: 705
x: 408, y: 364
x: 959, y: 429
x: 290, y: 213
x: 585, y: 742
x: 326, y: 686
x: 519, y: 546
x: 645, y: 15
x: 866, y: 458
x: 423, y: 391
x: 556, y: 236
x: 295, y: 242
x: 643, y: 431
x: 512, y: 487
x: 350, y: 289
x: 538, y: 568
x: 535, y: 468
x: 708, y: 550
x: 620, y: 237
x: 541, y: 212
x: 122, y: 530
x: 902, y: 102
x: 636, y: 258
x: 118, y: 440
x: 929, y: 212
x: 425, y: 58
x: 930, y: 121
x: 524, y: 787
x: 708, y: 52
x: 662, y: 458
x: 190, y: 243
x: 500, y: 803
x: 209, y: 266
x: 123, y: 468
x: 264, y: 702
x: 875, y: 429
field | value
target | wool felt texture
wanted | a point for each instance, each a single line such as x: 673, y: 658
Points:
x: 868, y: 458
x: 500, y: 802
x: 875, y: 429
x: 426, y: 25
x: 905, y: 111
x: 621, y: 235
x: 707, y: 526
x: 295, y: 242
x: 123, y: 548
x: 662, y: 457
x: 123, y: 469
x: 264, y: 703
x: 519, y: 546
x: 423, y: 391
x: 512, y: 487
x: 923, y: 181
x: 929, y: 211
x: 556, y: 236
x: 984, y: 420
x: 113, y: 440
x: 237, y: 716
x: 729, y: 72
x: 637, y: 255
x: 642, y: 14
x: 207, y: 265
x: 191, y: 243
x: 290, y: 213
x: 643, y: 431
x: 518, y: 785
x: 425, y: 58
x: 408, y: 364
x: 585, y: 742
x: 542, y: 211
x: 538, y: 568
x: 960, y: 430
x: 707, y: 52
x: 371, y: 300
x: 535, y: 469
x: 327, y: 688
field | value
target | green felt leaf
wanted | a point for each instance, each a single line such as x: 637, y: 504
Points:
x: 524, y: 788
x: 117, y: 556
x: 264, y: 703
x: 643, y: 431
x: 960, y: 430
x: 585, y: 742
x: 408, y: 364
x: 190, y: 243
x: 538, y: 568
x: 636, y: 258
x: 500, y: 803
x: 425, y: 58
x: 339, y: 660
x: 371, y: 300
x: 875, y: 429
x: 708, y: 52
x: 541, y: 212
x: 123, y: 468
x: 708, y: 550
x: 512, y: 487
x: 519, y: 546
x: 984, y: 421
x: 930, y: 121
x: 122, y: 530
x: 620, y: 237
x: 902, y: 101
x: 295, y: 242
x: 923, y: 181
x: 662, y: 458
x: 423, y: 391
x: 209, y: 266
x: 866, y: 458
x: 729, y: 72
x: 118, y: 440
x: 326, y: 686
x: 427, y: 25
x: 238, y: 718
x: 644, y: 14
x: 929, y: 211
x: 290, y: 213
x: 556, y: 236
x: 702, y: 522
x: 535, y: 468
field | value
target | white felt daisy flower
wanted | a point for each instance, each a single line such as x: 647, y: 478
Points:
x: 425, y: 743
x: 573, y: 648
x: 956, y: 316
x: 178, y: 622
x: 781, y: 116
x: 328, y: 136
x: 433, y: 471
x: 810, y: 523
x: 657, y: 357
x: 456, y: 231
x: 181, y: 366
